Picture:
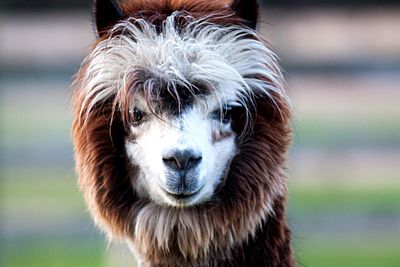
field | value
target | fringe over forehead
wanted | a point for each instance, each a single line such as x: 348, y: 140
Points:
x: 231, y: 60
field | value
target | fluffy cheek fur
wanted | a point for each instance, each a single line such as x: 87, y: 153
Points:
x: 192, y: 130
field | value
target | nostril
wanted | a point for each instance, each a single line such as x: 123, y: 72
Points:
x: 171, y: 162
x: 193, y: 162
x: 182, y: 160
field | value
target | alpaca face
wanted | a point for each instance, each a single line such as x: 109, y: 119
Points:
x: 181, y: 157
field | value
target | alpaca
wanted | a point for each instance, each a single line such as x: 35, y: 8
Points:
x: 181, y: 129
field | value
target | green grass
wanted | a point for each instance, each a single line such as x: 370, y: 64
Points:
x: 49, y: 188
x: 332, y: 132
x: 27, y: 193
x: 51, y: 253
x: 327, y: 248
x: 345, y: 199
x: 372, y: 253
x: 34, y: 182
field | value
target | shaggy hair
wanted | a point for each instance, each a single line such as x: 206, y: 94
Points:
x: 174, y: 51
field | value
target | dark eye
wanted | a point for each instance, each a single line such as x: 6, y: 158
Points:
x: 224, y: 114
x: 227, y: 115
x: 137, y: 115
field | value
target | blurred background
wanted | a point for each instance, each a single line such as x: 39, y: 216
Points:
x: 342, y: 62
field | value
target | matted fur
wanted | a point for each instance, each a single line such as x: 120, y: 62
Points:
x: 248, y: 207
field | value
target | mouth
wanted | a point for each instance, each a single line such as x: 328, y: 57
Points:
x: 183, y: 198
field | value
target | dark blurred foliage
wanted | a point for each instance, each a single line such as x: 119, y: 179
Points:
x: 76, y: 4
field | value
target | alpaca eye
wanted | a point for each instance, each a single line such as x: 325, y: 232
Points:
x: 227, y: 115
x: 137, y: 115
x: 224, y: 115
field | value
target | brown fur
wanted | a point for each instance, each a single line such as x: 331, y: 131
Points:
x: 193, y: 6
x: 245, y: 223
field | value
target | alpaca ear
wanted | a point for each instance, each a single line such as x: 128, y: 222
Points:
x: 106, y: 14
x: 247, y: 10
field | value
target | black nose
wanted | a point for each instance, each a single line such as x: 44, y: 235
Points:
x: 182, y: 160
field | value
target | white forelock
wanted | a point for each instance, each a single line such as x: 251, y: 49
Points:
x: 230, y: 59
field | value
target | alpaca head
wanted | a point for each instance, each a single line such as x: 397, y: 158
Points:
x: 180, y: 104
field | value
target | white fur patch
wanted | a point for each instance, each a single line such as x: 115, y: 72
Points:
x: 192, y: 130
